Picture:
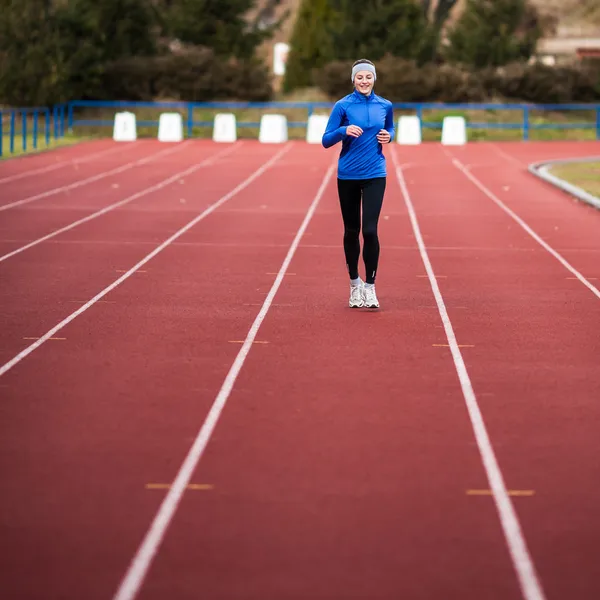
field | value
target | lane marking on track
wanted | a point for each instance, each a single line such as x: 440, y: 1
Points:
x: 244, y: 341
x: 588, y: 278
x: 190, y: 486
x: 272, y: 305
x: 82, y: 182
x: 526, y: 227
x: 125, y: 271
x: 449, y: 346
x: 516, y: 493
x: 99, y: 301
x: 138, y: 569
x: 54, y: 339
x: 522, y: 562
x: 19, y: 357
x: 58, y: 165
x: 277, y: 273
x: 427, y: 276
x: 106, y: 209
x: 507, y: 156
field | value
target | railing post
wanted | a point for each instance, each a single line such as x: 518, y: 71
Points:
x: 55, y: 121
x: 420, y: 116
x: 13, y: 125
x: 24, y: 130
x: 35, y: 129
x: 525, y: 122
x: 70, y: 117
x: 190, y: 119
x: 47, y: 126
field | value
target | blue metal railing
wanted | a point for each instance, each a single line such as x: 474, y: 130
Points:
x: 46, y: 124
x: 50, y: 124
x: 526, y: 124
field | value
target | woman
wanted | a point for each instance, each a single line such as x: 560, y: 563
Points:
x: 362, y: 121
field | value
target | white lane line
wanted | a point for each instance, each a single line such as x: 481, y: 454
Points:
x: 19, y: 357
x: 140, y: 564
x: 59, y: 165
x: 522, y: 562
x: 526, y: 227
x: 508, y: 156
x: 120, y: 203
x: 82, y: 182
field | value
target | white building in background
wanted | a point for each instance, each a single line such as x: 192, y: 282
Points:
x: 567, y: 49
x: 280, y: 55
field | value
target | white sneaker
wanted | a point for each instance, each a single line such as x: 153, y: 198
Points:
x: 356, y: 296
x: 370, y: 298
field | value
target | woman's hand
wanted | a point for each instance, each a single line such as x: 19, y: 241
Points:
x: 354, y: 131
x: 383, y: 137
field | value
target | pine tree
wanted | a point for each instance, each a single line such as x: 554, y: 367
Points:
x: 374, y: 28
x: 311, y: 44
x: 28, y: 70
x: 221, y: 25
x: 494, y: 33
x: 95, y: 34
x: 328, y: 30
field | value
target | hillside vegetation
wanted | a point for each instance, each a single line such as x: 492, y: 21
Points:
x: 569, y: 17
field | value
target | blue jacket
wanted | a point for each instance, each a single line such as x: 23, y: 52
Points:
x: 361, y: 157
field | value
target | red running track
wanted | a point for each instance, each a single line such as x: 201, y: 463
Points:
x: 347, y: 459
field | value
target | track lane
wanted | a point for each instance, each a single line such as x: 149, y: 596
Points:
x: 48, y: 282
x: 536, y: 338
x: 58, y: 183
x: 555, y: 216
x: 56, y: 162
x: 155, y: 357
x: 342, y: 459
x: 18, y: 166
x: 491, y: 276
x: 53, y: 220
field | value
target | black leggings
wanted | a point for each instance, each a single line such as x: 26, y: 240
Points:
x: 371, y: 191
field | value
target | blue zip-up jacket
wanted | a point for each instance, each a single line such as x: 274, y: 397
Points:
x: 361, y: 157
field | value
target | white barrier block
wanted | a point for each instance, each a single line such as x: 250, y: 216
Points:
x: 273, y: 129
x: 225, y: 128
x: 125, y: 129
x: 454, y: 131
x: 409, y: 130
x: 170, y: 127
x: 316, y: 128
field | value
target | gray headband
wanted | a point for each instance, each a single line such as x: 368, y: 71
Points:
x: 363, y: 67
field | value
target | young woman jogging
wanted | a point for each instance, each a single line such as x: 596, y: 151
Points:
x: 363, y: 122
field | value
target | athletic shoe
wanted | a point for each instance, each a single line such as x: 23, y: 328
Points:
x: 356, y: 296
x: 370, y: 298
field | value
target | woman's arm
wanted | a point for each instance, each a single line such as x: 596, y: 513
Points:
x: 389, y: 122
x: 334, y: 132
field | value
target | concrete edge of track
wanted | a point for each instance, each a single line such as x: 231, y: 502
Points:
x: 541, y: 170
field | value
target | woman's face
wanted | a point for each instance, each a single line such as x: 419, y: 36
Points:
x: 364, y: 81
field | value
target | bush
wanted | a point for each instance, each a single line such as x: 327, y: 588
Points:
x: 402, y: 80
x: 494, y: 32
x: 542, y: 84
x: 195, y: 75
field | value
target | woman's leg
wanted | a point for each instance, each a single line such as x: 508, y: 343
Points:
x: 350, y: 194
x: 373, y: 192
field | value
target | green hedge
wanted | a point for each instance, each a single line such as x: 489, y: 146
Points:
x: 193, y: 76
x: 403, y: 81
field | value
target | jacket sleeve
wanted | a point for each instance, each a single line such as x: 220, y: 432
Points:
x: 334, y: 133
x: 389, y: 122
